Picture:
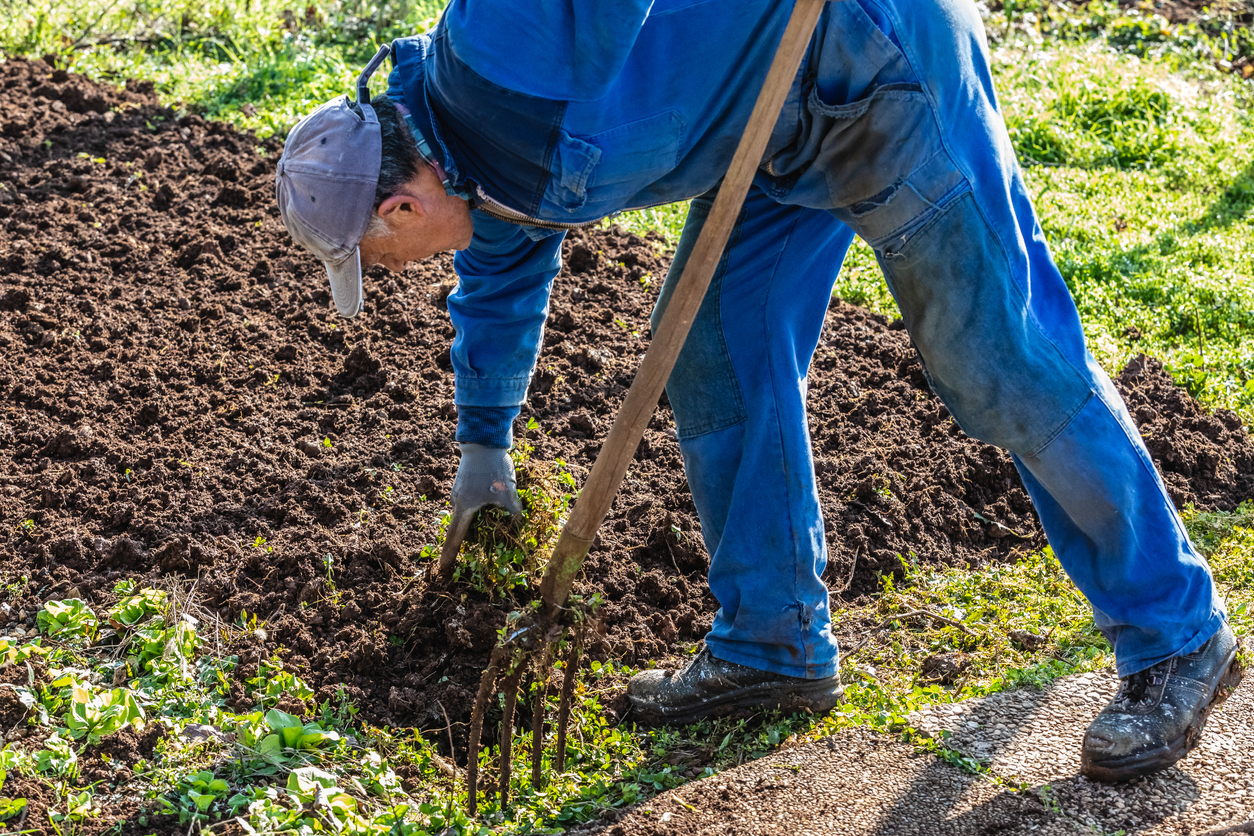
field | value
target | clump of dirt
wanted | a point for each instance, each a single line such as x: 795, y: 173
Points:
x: 31, y: 675
x: 110, y: 761
x: 185, y: 405
x: 1205, y: 458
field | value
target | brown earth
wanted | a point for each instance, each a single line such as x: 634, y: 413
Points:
x: 181, y: 404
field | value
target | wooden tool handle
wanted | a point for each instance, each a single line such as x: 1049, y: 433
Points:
x: 620, y: 446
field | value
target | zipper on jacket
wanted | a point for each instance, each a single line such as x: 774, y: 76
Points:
x: 504, y: 213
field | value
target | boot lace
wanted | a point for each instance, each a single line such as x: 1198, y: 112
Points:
x: 1134, y: 689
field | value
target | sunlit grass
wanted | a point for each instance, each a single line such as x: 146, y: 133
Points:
x: 1152, y: 229
x: 976, y: 613
x: 1227, y: 540
x: 259, y: 64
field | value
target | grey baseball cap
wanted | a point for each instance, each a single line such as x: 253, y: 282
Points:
x: 325, y: 186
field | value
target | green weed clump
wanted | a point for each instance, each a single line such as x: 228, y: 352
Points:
x: 1004, y: 626
x: 1129, y: 123
x: 284, y: 763
x: 504, y: 553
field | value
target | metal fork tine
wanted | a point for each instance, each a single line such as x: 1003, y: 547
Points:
x: 563, y: 706
x: 476, y: 731
x: 507, y: 729
x: 537, y: 716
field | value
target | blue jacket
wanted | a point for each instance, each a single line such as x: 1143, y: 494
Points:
x: 564, y: 113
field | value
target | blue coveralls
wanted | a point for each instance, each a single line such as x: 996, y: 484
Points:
x: 568, y: 112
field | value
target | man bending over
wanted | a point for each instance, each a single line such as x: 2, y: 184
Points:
x: 510, y: 123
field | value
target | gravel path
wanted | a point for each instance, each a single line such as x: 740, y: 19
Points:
x: 1034, y: 736
x: 860, y: 782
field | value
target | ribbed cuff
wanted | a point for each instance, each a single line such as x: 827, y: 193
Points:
x: 491, y: 426
x: 490, y: 391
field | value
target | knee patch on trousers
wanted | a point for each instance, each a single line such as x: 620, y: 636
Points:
x: 703, y: 391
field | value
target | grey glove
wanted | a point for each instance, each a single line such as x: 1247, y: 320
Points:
x: 485, y: 476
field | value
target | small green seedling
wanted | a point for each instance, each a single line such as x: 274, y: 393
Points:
x: 57, y: 758
x: 135, y: 608
x: 95, y: 716
x: 202, y: 789
x: 67, y: 619
x: 10, y: 807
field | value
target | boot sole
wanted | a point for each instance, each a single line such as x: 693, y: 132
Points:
x: 1117, y: 770
x: 815, y: 700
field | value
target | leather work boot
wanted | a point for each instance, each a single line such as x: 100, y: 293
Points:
x: 709, y: 687
x: 1157, y: 716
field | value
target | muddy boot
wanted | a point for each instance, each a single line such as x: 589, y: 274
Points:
x: 709, y: 687
x: 1158, y: 714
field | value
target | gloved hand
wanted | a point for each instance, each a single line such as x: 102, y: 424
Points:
x: 485, y: 476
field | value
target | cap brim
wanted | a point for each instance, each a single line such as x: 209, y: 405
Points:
x: 346, y: 284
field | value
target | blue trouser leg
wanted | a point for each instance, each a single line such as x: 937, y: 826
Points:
x: 1108, y: 517
x: 991, y: 350
x: 738, y: 394
x: 904, y: 143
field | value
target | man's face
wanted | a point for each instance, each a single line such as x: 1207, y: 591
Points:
x: 422, y: 220
x: 395, y: 251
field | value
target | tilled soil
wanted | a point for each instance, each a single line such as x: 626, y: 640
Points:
x: 181, y: 404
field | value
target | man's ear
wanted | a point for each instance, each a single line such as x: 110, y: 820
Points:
x: 404, y: 204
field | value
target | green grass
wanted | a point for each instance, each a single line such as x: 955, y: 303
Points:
x: 1227, y: 541
x: 1150, y: 224
x: 259, y: 64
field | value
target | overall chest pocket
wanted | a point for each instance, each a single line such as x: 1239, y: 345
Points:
x: 613, y: 165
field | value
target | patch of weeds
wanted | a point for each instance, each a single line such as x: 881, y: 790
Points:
x: 998, y: 627
x: 269, y: 769
x: 95, y: 715
x: 502, y: 553
x: 953, y: 757
x: 134, y: 607
x: 272, y: 683
x: 67, y: 619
